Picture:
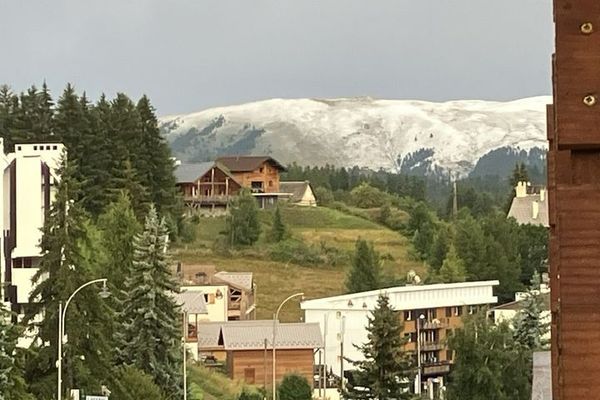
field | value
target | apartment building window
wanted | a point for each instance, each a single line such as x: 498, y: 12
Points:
x: 472, y: 310
x: 449, y: 355
x: 22, y: 262
x: 408, y: 315
x: 431, y: 314
x: 457, y: 311
x: 411, y: 337
x: 448, y: 312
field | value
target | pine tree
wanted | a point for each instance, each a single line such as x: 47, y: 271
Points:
x: 387, y: 369
x: 489, y: 363
x: 278, y: 229
x: 125, y: 179
x: 149, y: 336
x: 118, y: 226
x: 12, y: 384
x: 365, y: 272
x: 439, y: 248
x: 62, y: 269
x: 157, y: 168
x: 453, y: 268
x: 243, y: 227
x: 530, y: 326
x: 9, y: 103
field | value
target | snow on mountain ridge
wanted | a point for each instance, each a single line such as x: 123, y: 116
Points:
x: 360, y: 131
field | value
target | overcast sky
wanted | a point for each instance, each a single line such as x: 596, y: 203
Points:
x: 191, y: 55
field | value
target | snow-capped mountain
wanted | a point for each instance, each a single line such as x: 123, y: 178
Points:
x: 396, y: 135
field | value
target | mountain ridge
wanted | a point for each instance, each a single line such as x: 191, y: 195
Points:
x: 450, y: 136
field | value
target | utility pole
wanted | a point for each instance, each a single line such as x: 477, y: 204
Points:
x: 342, y: 329
x: 325, y: 318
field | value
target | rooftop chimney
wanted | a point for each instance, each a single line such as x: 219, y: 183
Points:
x: 535, y: 209
x: 521, y: 189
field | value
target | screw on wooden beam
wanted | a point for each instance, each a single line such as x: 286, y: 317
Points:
x: 587, y: 28
x: 589, y: 100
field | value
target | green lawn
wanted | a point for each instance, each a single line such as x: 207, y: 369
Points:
x: 276, y: 280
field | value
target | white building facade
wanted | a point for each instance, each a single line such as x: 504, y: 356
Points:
x: 344, y: 319
x: 27, y: 187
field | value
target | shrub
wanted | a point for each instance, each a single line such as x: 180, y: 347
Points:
x: 367, y: 196
x: 296, y: 252
x: 248, y: 394
x: 133, y: 384
x: 324, y: 196
x: 294, y: 387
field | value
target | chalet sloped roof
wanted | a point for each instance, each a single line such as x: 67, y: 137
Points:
x: 251, y: 335
x: 521, y: 210
x: 189, y: 172
x: 296, y: 188
x: 191, y: 302
x: 247, y: 163
x: 241, y: 280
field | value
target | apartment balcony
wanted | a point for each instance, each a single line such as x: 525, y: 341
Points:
x: 432, y: 346
x: 439, y: 368
x: 432, y: 325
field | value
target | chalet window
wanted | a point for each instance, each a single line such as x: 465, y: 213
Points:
x: 448, y: 312
x: 261, y: 170
x: 270, y: 183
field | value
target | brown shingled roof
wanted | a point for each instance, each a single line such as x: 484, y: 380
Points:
x: 247, y: 163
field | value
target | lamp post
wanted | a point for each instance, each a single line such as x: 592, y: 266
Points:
x: 275, y: 318
x: 418, y: 323
x: 62, y: 312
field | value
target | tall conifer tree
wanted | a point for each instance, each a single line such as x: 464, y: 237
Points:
x: 388, y: 369
x: 149, y: 336
x: 62, y: 269
x: 365, y: 272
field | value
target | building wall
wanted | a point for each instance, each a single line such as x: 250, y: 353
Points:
x: 269, y: 176
x: 344, y: 318
x: 216, y: 307
x: 245, y: 364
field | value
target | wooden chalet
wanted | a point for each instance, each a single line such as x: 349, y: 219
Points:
x: 260, y: 174
x: 246, y: 348
x: 206, y: 186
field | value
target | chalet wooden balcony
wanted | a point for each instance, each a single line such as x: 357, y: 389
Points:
x: 437, y: 368
x: 208, y: 200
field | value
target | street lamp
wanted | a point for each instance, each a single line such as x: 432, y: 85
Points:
x: 275, y: 318
x: 418, y: 323
x: 62, y: 312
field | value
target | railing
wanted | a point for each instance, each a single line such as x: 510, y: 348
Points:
x: 438, y: 368
x: 434, y: 325
x: 208, y: 199
x: 431, y: 346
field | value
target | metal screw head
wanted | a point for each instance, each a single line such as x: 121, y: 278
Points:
x: 587, y: 28
x: 589, y: 100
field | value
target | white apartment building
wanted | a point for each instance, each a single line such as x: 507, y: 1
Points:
x: 428, y: 313
x: 27, y: 187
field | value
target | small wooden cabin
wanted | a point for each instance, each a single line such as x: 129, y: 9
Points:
x: 248, y: 347
x: 258, y: 173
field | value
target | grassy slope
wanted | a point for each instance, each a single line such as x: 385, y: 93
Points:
x: 276, y: 280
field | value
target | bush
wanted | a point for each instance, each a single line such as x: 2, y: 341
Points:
x: 133, y: 384
x: 296, y: 252
x: 294, y: 387
x: 187, y: 231
x: 248, y: 394
x: 324, y: 196
x: 367, y: 196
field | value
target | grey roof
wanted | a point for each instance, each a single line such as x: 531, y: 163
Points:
x: 521, y: 209
x: 297, y: 189
x: 541, y: 388
x: 188, y: 172
x: 251, y: 335
x: 191, y: 302
x: 241, y: 280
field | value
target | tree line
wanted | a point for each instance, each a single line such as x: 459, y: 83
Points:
x: 115, y: 207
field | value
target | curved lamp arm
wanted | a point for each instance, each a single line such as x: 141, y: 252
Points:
x: 64, y: 313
